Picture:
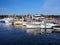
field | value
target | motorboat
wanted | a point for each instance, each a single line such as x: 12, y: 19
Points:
x: 48, y: 25
x: 32, y: 25
x: 7, y: 21
x: 36, y: 23
x: 2, y: 21
x: 19, y: 22
x: 24, y: 23
x: 41, y: 25
x: 56, y: 27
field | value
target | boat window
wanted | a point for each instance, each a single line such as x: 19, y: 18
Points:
x: 2, y: 21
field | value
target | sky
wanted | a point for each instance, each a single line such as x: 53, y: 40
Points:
x: 30, y: 7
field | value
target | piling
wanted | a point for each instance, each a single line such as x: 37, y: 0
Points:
x: 45, y: 24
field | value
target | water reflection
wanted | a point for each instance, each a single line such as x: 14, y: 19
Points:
x: 20, y: 26
x: 33, y: 31
x: 47, y: 30
x: 38, y: 31
x: 16, y: 35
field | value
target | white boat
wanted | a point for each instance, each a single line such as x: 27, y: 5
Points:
x: 2, y: 21
x: 56, y: 27
x: 25, y: 23
x: 20, y: 22
x: 48, y: 25
x: 8, y: 21
x: 37, y: 23
x: 32, y: 25
x: 42, y: 26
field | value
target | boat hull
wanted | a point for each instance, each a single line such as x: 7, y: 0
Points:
x: 56, y: 27
x: 18, y: 23
x: 32, y: 26
x: 48, y: 27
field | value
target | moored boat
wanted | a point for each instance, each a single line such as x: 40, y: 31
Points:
x: 42, y: 26
x: 32, y: 26
x: 3, y: 21
x: 48, y: 25
x: 56, y: 27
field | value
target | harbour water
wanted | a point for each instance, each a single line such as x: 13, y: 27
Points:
x: 18, y: 35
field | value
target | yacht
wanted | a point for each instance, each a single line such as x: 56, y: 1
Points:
x: 7, y: 21
x: 41, y: 25
x: 47, y: 25
x: 20, y: 22
x: 56, y: 27
x: 33, y: 25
